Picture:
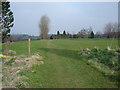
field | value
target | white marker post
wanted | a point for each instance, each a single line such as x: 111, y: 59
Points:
x: 29, y: 47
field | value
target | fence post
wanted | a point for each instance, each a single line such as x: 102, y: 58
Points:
x: 29, y: 47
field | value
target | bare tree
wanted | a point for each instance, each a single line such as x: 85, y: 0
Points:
x: 85, y: 33
x: 44, y: 27
x: 111, y: 30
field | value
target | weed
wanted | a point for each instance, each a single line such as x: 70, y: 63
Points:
x: 10, y: 61
x: 20, y: 85
x: 23, y: 73
x: 38, y: 59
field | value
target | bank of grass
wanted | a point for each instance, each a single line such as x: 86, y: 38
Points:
x: 63, y: 67
x: 104, y: 60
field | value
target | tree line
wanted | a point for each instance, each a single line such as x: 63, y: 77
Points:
x: 82, y: 34
x: 22, y: 37
x: 111, y: 30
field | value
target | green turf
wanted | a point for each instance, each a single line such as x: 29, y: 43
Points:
x: 63, y: 67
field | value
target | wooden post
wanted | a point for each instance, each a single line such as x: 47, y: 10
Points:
x: 29, y: 47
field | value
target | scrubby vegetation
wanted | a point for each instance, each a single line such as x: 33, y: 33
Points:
x: 14, y: 69
x: 105, y: 60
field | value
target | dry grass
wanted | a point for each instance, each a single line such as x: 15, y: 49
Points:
x: 11, y: 69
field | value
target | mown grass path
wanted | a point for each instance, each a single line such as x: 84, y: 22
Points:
x: 63, y: 67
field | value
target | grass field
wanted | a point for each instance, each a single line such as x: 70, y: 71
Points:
x: 63, y: 67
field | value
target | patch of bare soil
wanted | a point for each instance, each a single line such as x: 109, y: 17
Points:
x: 12, y: 65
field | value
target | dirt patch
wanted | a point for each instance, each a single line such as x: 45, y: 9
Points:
x: 12, y: 65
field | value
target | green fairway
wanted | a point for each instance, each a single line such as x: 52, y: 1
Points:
x: 63, y: 67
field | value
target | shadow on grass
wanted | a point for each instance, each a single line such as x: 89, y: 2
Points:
x: 63, y: 52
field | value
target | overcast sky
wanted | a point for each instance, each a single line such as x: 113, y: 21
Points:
x: 68, y: 16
